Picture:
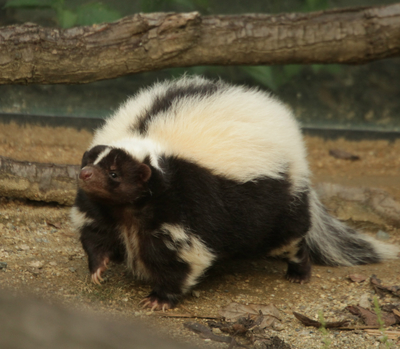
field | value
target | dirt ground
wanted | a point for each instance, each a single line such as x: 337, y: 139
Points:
x: 40, y: 253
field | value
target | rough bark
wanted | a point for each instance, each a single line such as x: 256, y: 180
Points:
x: 372, y: 200
x: 38, y: 181
x: 143, y: 42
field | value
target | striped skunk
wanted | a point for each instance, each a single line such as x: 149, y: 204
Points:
x: 193, y: 171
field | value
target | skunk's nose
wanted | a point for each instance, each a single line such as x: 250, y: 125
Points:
x: 86, y: 174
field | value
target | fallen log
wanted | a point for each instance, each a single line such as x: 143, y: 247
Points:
x: 38, y: 181
x: 31, y: 54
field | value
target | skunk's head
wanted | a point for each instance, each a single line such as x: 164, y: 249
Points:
x: 113, y: 176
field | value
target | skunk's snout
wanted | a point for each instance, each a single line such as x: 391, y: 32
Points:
x: 86, y: 174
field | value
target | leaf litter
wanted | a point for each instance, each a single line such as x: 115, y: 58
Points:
x: 247, y: 321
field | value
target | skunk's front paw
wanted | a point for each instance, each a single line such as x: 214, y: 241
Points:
x: 96, y: 276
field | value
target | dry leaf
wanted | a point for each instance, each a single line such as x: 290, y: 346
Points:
x: 235, y: 311
x: 306, y: 321
x: 206, y: 333
x: 370, y: 318
x: 55, y: 225
x: 396, y: 314
x: 378, y: 286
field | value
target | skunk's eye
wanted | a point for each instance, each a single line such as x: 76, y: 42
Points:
x: 113, y: 175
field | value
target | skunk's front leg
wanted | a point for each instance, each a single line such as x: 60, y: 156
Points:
x: 101, y: 247
x: 174, y: 261
x: 168, y: 276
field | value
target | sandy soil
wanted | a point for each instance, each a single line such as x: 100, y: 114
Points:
x: 43, y: 255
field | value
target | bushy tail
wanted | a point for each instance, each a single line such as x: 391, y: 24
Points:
x: 333, y: 243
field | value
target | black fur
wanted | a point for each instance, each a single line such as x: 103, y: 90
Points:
x: 231, y: 219
x: 300, y: 270
x: 101, y: 239
x: 173, y: 219
x: 163, y: 102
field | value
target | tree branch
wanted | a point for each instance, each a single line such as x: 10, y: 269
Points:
x: 143, y: 42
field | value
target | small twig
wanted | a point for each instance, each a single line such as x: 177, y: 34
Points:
x: 355, y: 328
x: 186, y: 316
x: 389, y: 334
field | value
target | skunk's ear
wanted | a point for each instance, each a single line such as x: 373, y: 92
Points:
x: 144, y: 172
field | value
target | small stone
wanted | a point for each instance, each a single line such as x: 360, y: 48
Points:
x: 3, y: 265
x: 357, y: 277
x: 34, y: 271
x: 36, y: 264
x: 217, y: 330
x: 364, y: 301
x: 277, y: 326
x: 24, y: 247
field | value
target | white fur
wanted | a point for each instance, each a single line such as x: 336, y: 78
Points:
x: 236, y: 132
x: 288, y: 251
x: 330, y: 239
x: 79, y: 219
x: 140, y: 148
x: 239, y: 133
x: 192, y: 251
x: 104, y: 153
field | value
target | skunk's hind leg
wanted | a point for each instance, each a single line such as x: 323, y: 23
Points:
x: 299, y: 264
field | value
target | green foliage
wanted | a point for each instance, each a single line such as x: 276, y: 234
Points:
x: 173, y: 5
x: 315, y: 5
x: 263, y: 75
x: 323, y: 330
x: 381, y: 323
x: 86, y: 14
x: 66, y: 18
x: 95, y: 13
x: 33, y: 3
x: 274, y: 77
